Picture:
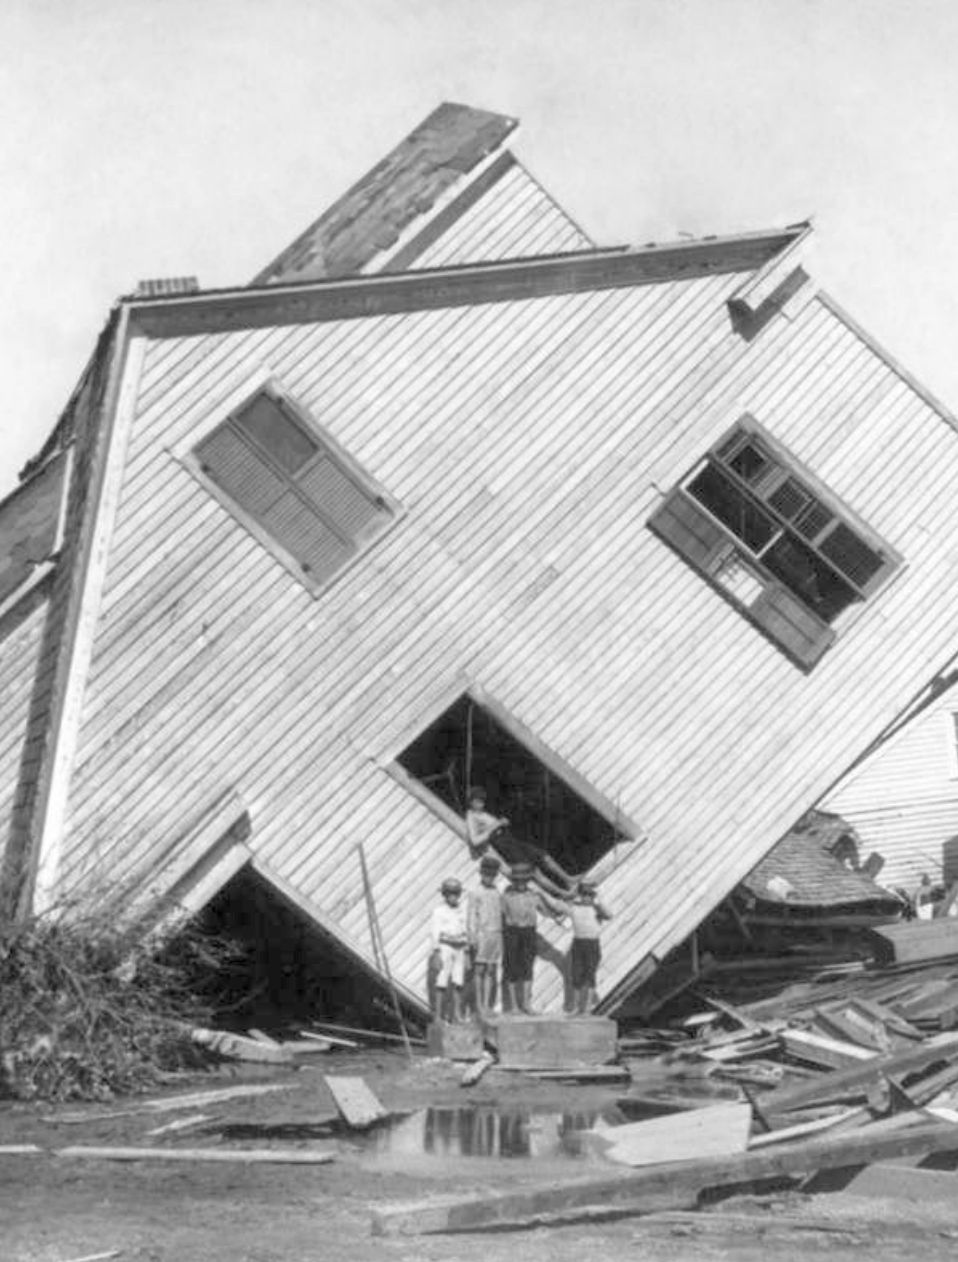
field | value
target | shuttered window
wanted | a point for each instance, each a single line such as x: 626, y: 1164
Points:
x: 774, y: 541
x: 296, y: 486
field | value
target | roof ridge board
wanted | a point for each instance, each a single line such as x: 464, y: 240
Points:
x: 500, y: 280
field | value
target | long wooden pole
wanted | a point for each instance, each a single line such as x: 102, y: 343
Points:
x: 379, y: 947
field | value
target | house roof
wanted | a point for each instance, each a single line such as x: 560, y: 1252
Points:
x: 803, y: 858
x: 401, y: 188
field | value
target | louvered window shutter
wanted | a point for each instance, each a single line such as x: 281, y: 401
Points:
x: 310, y: 502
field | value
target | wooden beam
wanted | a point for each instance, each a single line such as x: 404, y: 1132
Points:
x: 676, y: 1185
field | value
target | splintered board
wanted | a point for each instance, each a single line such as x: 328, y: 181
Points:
x: 551, y: 1042
x: 356, y: 1102
x: 717, y: 1130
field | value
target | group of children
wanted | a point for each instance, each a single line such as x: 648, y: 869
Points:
x: 499, y: 929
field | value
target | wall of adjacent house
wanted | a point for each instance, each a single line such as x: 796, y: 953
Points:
x: 903, y: 801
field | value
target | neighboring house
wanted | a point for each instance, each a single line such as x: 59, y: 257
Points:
x: 651, y: 542
x: 903, y: 800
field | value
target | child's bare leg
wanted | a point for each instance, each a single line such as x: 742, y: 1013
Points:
x: 439, y: 1007
x: 456, y: 997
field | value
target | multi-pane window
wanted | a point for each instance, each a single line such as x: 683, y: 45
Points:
x: 301, y: 492
x: 774, y: 540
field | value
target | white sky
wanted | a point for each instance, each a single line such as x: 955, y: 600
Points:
x: 198, y: 137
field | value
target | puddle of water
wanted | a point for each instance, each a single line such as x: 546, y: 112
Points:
x: 490, y: 1131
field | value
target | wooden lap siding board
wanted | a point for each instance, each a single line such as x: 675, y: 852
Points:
x: 590, y: 398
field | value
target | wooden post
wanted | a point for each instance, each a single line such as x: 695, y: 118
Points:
x: 380, y: 949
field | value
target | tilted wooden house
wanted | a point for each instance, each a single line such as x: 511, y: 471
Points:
x: 651, y: 542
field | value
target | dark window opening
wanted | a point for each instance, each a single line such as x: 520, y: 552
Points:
x: 467, y: 747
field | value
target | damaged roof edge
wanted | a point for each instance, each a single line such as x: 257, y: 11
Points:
x: 403, y: 187
x: 385, y: 293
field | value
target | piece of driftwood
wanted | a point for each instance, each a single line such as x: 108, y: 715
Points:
x: 855, y: 1082
x: 472, y: 1073
x: 239, y: 1047
x: 712, y: 1131
x: 282, y: 1156
x: 677, y: 1185
x: 357, y: 1104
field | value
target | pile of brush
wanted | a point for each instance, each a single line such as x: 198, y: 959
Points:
x: 88, y: 1012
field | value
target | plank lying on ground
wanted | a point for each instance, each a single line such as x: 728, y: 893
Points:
x: 181, y: 1124
x: 714, y: 1131
x: 19, y: 1150
x: 327, y: 1039
x: 855, y: 1081
x: 917, y: 940
x: 282, y: 1156
x: 169, y: 1104
x: 356, y: 1102
x: 97, y: 1257
x: 676, y: 1185
x: 583, y: 1073
x: 372, y: 1036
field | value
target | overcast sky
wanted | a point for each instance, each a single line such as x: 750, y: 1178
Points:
x: 148, y: 138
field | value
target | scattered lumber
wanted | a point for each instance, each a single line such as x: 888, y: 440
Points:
x: 239, y: 1047
x: 305, y: 1047
x: 325, y: 1028
x: 283, y: 1156
x: 676, y: 1185
x: 713, y: 1131
x: 358, y: 1105
x: 854, y: 1082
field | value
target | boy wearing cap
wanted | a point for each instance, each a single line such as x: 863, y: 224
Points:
x: 484, y: 931
x: 586, y: 913
x: 521, y: 907
x: 448, y: 942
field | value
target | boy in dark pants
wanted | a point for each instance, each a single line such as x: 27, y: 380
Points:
x: 586, y: 914
x: 521, y: 907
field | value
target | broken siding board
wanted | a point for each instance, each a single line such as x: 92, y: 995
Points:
x: 358, y: 1105
x: 714, y: 1130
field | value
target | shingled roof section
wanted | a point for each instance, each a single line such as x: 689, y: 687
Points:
x: 404, y: 186
x: 806, y: 859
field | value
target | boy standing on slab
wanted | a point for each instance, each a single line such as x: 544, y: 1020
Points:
x: 448, y: 942
x: 521, y: 907
x: 586, y: 914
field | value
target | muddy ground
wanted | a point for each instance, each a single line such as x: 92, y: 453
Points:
x: 55, y: 1209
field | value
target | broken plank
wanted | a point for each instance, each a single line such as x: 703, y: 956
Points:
x: 357, y: 1104
x: 856, y: 1081
x: 282, y: 1156
x: 677, y: 1185
x: 712, y: 1131
x: 802, y: 1129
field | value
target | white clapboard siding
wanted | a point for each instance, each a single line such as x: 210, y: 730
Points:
x: 515, y: 218
x: 903, y: 800
x: 528, y: 441
x: 19, y: 651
